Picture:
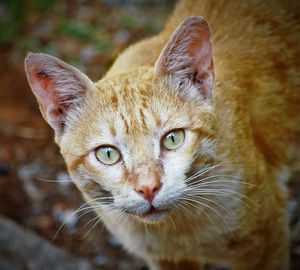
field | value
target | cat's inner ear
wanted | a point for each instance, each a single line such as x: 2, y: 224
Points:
x: 57, y: 86
x: 188, y: 54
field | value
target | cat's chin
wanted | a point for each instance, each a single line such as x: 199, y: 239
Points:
x: 154, y: 216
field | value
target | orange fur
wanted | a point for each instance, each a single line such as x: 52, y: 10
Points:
x: 248, y: 131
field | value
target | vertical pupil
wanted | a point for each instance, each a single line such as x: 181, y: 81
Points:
x: 173, y: 138
x: 108, y: 153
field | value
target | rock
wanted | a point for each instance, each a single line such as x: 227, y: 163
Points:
x: 21, y: 249
x: 9, y: 264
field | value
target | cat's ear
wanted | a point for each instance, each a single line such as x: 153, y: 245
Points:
x: 57, y: 86
x: 188, y: 54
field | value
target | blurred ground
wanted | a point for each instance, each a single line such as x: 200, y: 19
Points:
x: 35, y: 190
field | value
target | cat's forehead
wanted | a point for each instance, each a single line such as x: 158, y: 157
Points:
x: 127, y: 90
x: 140, y: 100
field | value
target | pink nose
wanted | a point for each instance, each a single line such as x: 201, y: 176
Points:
x: 148, y: 191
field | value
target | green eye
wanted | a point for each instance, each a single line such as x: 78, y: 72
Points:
x: 173, y: 139
x: 107, y: 155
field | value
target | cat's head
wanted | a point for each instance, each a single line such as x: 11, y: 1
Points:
x: 131, y: 141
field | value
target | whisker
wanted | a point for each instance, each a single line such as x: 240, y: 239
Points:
x: 146, y: 228
x: 223, y: 182
x: 89, y: 210
x: 202, y: 210
x: 202, y: 171
x: 184, y: 206
x: 221, y: 175
x: 220, y: 191
x: 225, y: 195
x: 218, y: 204
x: 174, y: 225
x: 91, y: 221
x: 54, y: 180
x: 95, y: 222
x: 65, y: 220
x: 98, y: 219
x: 94, y: 209
x: 79, y: 209
x: 212, y: 209
x: 206, y: 170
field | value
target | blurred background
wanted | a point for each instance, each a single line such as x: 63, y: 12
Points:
x: 36, y: 194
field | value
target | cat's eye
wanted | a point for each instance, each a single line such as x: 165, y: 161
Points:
x: 173, y: 139
x: 108, y: 155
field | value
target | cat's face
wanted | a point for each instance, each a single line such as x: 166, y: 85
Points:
x: 136, y: 142
x: 131, y: 141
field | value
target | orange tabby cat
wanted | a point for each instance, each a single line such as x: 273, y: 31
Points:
x: 183, y: 147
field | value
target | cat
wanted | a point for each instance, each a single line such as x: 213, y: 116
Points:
x: 183, y: 147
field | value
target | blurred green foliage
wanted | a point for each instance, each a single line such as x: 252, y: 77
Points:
x: 42, y: 5
x: 12, y: 17
x: 13, y: 14
x: 52, y: 26
x: 76, y: 30
x: 128, y: 21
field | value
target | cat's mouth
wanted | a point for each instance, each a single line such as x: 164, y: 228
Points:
x: 153, y: 215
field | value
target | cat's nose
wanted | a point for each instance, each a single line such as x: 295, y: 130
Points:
x: 149, y: 191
